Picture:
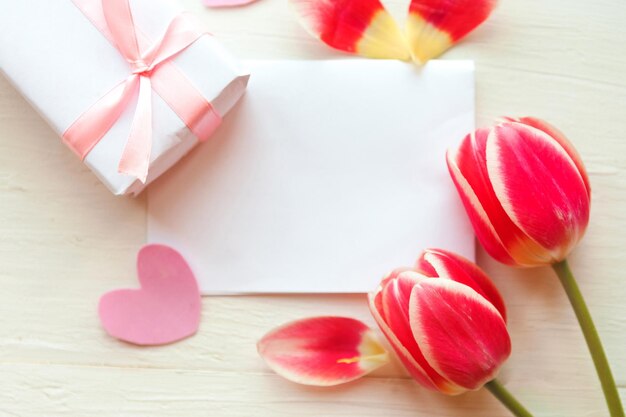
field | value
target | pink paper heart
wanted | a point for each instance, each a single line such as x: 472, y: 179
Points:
x: 166, y: 308
x: 226, y: 3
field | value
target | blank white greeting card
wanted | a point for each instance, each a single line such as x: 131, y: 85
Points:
x: 325, y: 176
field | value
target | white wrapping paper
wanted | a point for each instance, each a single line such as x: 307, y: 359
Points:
x: 62, y: 65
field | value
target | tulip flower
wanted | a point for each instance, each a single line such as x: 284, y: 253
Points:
x: 525, y: 190
x: 447, y: 323
x: 527, y: 194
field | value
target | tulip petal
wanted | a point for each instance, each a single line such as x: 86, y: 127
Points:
x: 433, y: 26
x: 390, y: 308
x: 475, y: 191
x: 361, y: 27
x: 555, y: 210
x: 500, y: 237
x: 322, y: 351
x: 461, y: 334
x: 457, y: 268
x: 561, y: 139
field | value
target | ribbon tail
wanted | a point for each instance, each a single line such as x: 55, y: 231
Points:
x: 135, y: 159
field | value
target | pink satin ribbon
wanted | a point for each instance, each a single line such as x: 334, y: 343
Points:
x: 150, y: 69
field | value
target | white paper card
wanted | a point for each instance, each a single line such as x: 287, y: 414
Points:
x: 327, y: 175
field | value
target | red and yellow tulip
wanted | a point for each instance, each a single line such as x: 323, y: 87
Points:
x: 445, y: 320
x: 525, y: 190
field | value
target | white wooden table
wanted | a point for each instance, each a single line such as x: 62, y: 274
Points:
x: 65, y: 240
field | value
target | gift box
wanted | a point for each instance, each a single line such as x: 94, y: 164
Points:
x: 130, y: 85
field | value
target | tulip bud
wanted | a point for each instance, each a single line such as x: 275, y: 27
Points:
x: 525, y: 190
x: 445, y: 320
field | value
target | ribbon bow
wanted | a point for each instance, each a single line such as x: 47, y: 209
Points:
x: 150, y: 69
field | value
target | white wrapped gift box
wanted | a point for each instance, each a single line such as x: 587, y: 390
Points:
x: 63, y: 64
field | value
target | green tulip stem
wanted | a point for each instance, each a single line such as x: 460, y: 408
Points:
x: 505, y: 397
x: 591, y: 336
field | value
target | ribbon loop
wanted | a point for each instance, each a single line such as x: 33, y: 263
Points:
x: 116, y: 23
x: 119, y: 19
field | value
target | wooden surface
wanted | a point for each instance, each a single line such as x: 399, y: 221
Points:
x: 64, y: 241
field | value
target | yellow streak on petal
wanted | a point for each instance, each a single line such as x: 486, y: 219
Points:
x: 425, y: 40
x: 372, y: 354
x: 381, y: 358
x: 349, y: 360
x: 383, y: 39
